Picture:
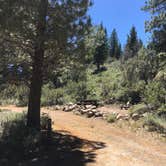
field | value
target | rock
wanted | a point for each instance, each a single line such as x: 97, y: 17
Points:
x: 122, y: 117
x: 84, y: 111
x: 145, y: 114
x: 90, y: 114
x: 77, y: 112
x: 94, y: 110
x: 105, y: 116
x: 98, y: 114
x: 34, y: 160
x: 70, y: 104
x: 69, y: 108
x: 90, y: 106
x: 135, y: 116
x: 57, y: 107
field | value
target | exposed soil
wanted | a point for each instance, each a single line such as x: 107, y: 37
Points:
x: 105, y: 144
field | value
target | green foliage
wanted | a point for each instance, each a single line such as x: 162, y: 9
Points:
x: 104, y: 85
x: 143, y: 67
x: 115, y: 46
x: 18, y: 139
x: 111, y: 118
x: 52, y: 96
x: 155, y: 94
x: 126, y: 94
x: 155, y: 123
x: 138, y: 109
x: 76, y: 91
x: 13, y: 94
x: 157, y: 23
x: 133, y: 44
x: 101, y: 51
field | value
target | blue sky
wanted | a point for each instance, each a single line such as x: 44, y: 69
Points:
x: 120, y: 14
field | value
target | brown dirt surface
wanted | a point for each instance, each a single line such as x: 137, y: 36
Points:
x: 104, y: 144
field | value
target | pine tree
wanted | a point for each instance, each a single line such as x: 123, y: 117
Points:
x: 157, y: 24
x: 115, y: 46
x: 133, y: 44
x: 44, y: 31
x: 101, y: 52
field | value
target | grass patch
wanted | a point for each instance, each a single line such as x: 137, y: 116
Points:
x: 155, y: 123
x: 111, y: 118
x: 138, y: 109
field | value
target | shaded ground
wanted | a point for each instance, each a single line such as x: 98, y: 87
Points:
x: 89, y: 142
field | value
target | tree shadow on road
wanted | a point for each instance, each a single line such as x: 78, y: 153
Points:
x: 63, y: 149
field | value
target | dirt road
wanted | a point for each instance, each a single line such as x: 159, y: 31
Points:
x: 105, y: 145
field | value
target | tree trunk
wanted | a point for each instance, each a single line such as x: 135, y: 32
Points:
x: 98, y: 67
x: 35, y: 91
x: 33, y: 117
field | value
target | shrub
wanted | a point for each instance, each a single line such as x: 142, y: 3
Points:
x: 51, y: 96
x: 77, y: 91
x: 18, y: 139
x: 111, y: 118
x: 13, y: 94
x: 155, y: 94
x: 155, y: 123
x: 128, y: 94
x: 138, y: 109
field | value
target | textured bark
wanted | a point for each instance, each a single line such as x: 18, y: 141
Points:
x: 37, y: 69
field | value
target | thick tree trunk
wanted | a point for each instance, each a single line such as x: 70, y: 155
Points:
x: 33, y: 117
x: 35, y: 91
x: 98, y: 67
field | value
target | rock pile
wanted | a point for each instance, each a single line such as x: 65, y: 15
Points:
x: 87, y: 110
x: 90, y: 110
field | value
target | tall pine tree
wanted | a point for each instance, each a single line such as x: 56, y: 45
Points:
x: 133, y: 44
x: 101, y: 51
x: 115, y: 46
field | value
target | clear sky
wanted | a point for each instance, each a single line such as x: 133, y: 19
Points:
x: 120, y: 14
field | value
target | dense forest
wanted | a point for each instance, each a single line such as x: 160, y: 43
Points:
x: 51, y: 54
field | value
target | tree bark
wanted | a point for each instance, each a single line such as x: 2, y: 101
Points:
x: 35, y: 91
x: 33, y: 117
x: 98, y: 67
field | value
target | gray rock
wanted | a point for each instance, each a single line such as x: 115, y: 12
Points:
x: 90, y: 106
x: 90, y: 114
x: 98, y: 114
x: 122, y: 117
x: 135, y: 116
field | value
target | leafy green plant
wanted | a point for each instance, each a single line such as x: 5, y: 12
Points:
x: 111, y: 118
x: 139, y: 109
x: 51, y: 96
x: 155, y: 123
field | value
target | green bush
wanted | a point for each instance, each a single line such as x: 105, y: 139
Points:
x: 128, y: 94
x: 76, y: 91
x: 138, y: 109
x: 51, y: 96
x: 155, y: 94
x: 22, y: 95
x: 18, y: 139
x: 155, y: 123
x: 111, y: 118
x: 13, y: 94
